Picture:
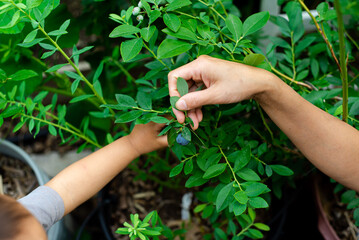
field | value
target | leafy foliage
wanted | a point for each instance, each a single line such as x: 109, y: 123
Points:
x: 235, y: 155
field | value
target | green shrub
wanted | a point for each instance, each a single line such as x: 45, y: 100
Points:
x: 236, y: 153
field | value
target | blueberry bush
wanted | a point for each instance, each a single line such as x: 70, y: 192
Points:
x: 237, y: 160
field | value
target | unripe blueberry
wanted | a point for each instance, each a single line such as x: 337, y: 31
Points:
x: 139, y: 4
x: 135, y: 11
x: 180, y: 140
x: 139, y: 18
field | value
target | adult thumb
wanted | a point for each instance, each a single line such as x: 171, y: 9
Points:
x: 194, y: 100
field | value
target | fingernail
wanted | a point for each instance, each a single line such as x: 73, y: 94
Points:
x: 181, y: 105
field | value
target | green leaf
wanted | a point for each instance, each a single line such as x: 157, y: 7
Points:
x: 144, y: 100
x: 255, y: 189
x: 235, y: 26
x: 182, y: 33
x: 98, y: 88
x: 75, y: 85
x: 255, y: 22
x: 14, y: 20
x: 146, y: 6
x: 170, y: 48
x: 22, y: 75
x: 33, y: 3
x: 124, y: 30
x: 258, y: 202
x: 172, y: 21
x: 131, y: 48
x: 81, y: 98
x: 176, y: 170
x: 188, y: 168
x: 159, y: 119
x: 31, y: 36
x: 18, y: 126
x: 241, y: 197
x: 248, y: 174
x: 176, y: 4
x: 31, y: 125
x: 240, y: 158
x: 238, y: 208
x: 182, y: 86
x: 173, y: 101
x: 56, y: 67
x: 154, y: 15
x: 65, y: 25
x: 148, y: 32
x: 254, y: 233
x: 215, y: 170
x: 48, y: 54
x: 186, y: 133
x: 128, y: 117
x: 98, y: 72
x: 282, y: 170
x: 52, y: 130
x: 354, y: 109
x: 125, y: 101
x: 195, y: 181
x: 11, y: 111
x: 199, y: 208
x: 223, y: 195
x: 262, y: 226
x: 253, y: 59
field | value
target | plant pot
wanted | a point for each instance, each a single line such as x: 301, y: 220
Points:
x: 324, y: 226
x: 58, y: 231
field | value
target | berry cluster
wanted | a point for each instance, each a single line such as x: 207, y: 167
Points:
x: 136, y: 11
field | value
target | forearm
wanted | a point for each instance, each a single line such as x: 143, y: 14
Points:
x: 83, y: 179
x: 329, y: 143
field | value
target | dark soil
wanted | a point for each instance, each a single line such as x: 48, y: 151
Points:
x: 138, y: 196
x: 18, y: 179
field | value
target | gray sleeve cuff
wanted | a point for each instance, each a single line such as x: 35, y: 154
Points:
x: 45, y: 204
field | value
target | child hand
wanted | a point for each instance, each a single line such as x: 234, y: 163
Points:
x: 144, y: 137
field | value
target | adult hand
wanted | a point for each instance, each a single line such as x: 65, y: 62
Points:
x: 224, y: 82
